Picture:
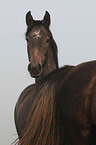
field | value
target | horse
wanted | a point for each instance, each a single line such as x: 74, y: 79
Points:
x: 42, y: 54
x: 64, y: 108
x: 43, y: 59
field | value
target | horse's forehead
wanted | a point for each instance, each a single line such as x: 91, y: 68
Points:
x: 39, y: 32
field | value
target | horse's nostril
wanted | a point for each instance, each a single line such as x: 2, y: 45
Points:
x: 29, y: 67
x: 39, y: 66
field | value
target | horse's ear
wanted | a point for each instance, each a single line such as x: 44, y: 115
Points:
x: 46, y: 19
x: 29, y: 19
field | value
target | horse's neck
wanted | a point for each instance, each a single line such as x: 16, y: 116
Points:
x: 47, y: 69
x: 37, y: 82
x: 49, y: 66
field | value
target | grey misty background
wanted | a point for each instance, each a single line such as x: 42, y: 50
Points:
x: 73, y: 25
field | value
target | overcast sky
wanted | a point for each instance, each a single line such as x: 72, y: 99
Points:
x: 73, y: 25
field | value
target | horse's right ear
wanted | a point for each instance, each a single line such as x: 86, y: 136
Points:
x: 46, y: 19
x: 29, y: 19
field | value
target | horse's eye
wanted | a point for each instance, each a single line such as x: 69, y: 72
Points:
x: 48, y: 40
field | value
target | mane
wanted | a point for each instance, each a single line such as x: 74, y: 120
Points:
x: 53, y: 43
x: 43, y: 125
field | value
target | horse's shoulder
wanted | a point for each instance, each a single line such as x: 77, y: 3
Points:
x: 24, y: 95
x: 25, y: 92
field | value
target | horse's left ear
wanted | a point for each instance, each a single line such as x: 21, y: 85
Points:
x: 46, y: 19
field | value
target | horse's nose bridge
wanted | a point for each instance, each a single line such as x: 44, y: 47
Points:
x: 34, y: 52
x: 35, y: 63
x: 36, y: 57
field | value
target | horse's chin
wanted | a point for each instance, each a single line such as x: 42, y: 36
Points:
x: 36, y: 75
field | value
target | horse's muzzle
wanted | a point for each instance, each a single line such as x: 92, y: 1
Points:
x: 35, y: 70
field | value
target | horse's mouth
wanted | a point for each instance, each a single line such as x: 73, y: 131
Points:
x: 35, y: 75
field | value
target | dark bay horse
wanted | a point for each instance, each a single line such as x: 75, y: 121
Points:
x: 42, y: 54
x: 64, y: 108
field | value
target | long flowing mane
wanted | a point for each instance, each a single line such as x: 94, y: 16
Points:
x: 44, y: 126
